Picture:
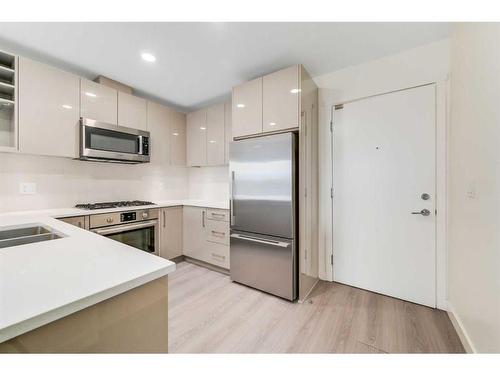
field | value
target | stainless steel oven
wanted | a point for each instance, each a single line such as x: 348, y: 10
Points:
x: 100, y: 141
x: 139, y: 228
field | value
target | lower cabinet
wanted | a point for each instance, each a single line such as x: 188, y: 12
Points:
x: 77, y: 221
x: 205, y: 238
x: 171, y: 228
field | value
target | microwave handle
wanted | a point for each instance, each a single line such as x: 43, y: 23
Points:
x: 140, y: 138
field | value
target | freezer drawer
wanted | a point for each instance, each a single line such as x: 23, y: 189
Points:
x: 264, y: 262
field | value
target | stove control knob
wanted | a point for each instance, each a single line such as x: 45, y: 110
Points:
x: 145, y: 215
x: 109, y: 220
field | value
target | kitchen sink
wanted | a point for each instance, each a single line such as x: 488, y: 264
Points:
x: 26, y: 234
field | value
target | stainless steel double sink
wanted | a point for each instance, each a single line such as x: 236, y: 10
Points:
x: 26, y: 234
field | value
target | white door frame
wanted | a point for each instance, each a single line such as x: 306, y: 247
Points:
x: 326, y: 112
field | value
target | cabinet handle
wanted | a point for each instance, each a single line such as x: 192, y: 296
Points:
x: 218, y: 215
x: 203, y: 218
x: 218, y: 256
x: 163, y: 212
x: 218, y: 234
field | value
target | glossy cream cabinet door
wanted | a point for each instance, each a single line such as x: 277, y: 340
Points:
x: 228, y: 135
x: 215, y: 134
x: 280, y: 99
x: 159, y: 128
x: 98, y: 102
x: 171, y: 223
x: 177, y: 138
x: 247, y: 108
x: 195, y: 232
x: 48, y: 110
x: 132, y: 111
x: 196, y: 143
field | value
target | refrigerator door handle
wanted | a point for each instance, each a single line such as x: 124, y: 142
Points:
x: 231, y: 201
x: 260, y: 240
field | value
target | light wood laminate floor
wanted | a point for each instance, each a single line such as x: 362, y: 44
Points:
x: 211, y: 314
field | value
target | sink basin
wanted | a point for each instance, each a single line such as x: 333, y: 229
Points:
x: 26, y: 234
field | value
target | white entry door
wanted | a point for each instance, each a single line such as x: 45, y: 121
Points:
x: 384, y: 227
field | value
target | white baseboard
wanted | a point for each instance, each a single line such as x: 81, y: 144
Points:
x: 459, y: 327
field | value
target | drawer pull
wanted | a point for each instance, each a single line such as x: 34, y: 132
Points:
x: 218, y: 256
x: 218, y: 215
x: 218, y: 234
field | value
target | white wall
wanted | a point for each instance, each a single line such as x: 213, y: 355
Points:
x: 474, y: 214
x: 209, y: 183
x: 64, y: 182
x: 417, y: 66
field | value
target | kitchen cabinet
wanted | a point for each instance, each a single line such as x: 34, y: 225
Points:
x: 194, y: 233
x: 159, y: 127
x: 247, y: 108
x: 77, y: 221
x: 98, y: 102
x: 215, y: 134
x: 196, y: 142
x: 177, y: 138
x: 171, y: 224
x: 206, y: 239
x: 280, y: 99
x: 227, y: 130
x: 132, y: 111
x: 48, y: 110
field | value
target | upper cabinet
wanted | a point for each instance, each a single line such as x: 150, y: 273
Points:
x: 196, y: 143
x: 280, y: 100
x: 158, y: 120
x: 215, y: 134
x: 208, y: 131
x: 227, y: 130
x: 267, y: 104
x: 98, y: 102
x: 48, y: 110
x: 247, y: 108
x: 177, y: 138
x: 132, y: 111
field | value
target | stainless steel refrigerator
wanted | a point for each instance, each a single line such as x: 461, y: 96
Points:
x: 263, y: 241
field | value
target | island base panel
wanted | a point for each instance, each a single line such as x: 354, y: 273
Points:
x: 132, y: 322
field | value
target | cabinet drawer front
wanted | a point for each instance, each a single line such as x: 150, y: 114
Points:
x: 218, y: 255
x: 221, y: 215
x: 218, y: 231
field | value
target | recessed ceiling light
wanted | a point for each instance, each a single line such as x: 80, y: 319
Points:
x: 146, y: 56
x: 202, y: 128
x: 91, y: 94
x: 176, y: 134
x: 272, y: 123
x: 294, y: 91
x: 67, y: 106
x: 212, y: 141
x: 240, y: 105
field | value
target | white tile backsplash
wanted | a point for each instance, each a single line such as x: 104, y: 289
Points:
x: 209, y: 183
x: 64, y: 182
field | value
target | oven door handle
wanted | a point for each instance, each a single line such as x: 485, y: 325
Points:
x: 123, y: 228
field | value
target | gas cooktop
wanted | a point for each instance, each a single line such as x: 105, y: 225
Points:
x: 99, y: 206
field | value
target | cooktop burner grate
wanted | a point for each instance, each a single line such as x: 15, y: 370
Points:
x: 99, y: 206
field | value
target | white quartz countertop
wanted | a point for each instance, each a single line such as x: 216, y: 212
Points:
x: 45, y: 281
x: 71, y: 211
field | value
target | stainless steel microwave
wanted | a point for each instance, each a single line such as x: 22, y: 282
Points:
x: 104, y: 142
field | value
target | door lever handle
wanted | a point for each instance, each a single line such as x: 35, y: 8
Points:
x: 424, y: 212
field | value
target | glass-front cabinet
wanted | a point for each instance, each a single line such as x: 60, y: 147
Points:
x: 8, y: 103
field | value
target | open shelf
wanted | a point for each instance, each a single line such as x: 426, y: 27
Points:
x: 8, y: 110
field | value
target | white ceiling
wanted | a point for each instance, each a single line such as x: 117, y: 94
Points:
x: 198, y: 63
